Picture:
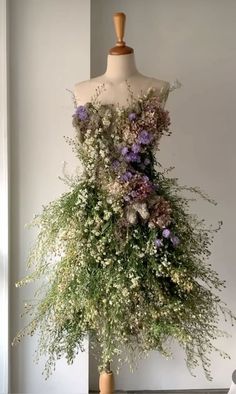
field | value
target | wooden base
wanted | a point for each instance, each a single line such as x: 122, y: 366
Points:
x: 106, y: 383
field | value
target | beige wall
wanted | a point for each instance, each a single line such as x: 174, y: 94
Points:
x: 49, y: 52
x: 194, y: 41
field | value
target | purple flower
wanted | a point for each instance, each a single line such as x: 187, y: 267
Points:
x: 136, y: 148
x: 115, y: 164
x: 132, y: 157
x: 145, y: 178
x: 127, y: 198
x: 132, y: 116
x: 124, y: 150
x: 147, y: 161
x: 158, y: 242
x: 129, y: 174
x: 144, y: 137
x: 81, y: 112
x: 126, y: 176
x: 175, y: 240
x: 166, y: 233
x: 133, y: 194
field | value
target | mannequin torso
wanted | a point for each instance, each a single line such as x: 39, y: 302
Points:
x: 113, y: 83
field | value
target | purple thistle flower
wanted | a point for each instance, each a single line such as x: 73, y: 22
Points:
x: 136, y: 148
x: 144, y: 137
x: 158, y: 242
x: 132, y: 116
x: 81, y: 112
x: 175, y: 240
x: 166, y: 233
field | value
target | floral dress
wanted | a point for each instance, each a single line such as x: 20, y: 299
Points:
x: 120, y: 256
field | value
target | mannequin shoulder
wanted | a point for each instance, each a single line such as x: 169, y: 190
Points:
x: 84, y: 90
x: 163, y: 87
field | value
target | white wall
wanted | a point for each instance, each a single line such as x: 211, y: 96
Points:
x: 193, y: 41
x: 49, y: 52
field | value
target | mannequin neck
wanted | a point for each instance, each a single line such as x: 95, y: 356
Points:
x: 120, y: 67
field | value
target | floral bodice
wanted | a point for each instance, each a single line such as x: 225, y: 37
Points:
x: 117, y: 146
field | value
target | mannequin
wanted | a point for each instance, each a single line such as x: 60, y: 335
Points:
x: 121, y: 67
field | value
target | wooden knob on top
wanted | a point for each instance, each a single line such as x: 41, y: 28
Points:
x: 119, y: 24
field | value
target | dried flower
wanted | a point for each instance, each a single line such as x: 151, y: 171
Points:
x: 136, y: 148
x: 166, y: 233
x: 132, y: 157
x: 126, y: 176
x: 132, y: 116
x: 81, y: 112
x: 124, y: 150
x: 115, y: 164
x: 160, y: 213
x: 144, y: 137
x: 135, y: 209
x: 141, y: 188
x: 175, y: 240
x: 158, y: 242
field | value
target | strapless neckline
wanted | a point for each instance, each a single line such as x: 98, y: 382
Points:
x: 133, y: 100
x: 162, y: 94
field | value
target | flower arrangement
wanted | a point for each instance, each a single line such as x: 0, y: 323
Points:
x: 125, y: 260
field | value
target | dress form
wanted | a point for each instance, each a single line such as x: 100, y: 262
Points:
x: 121, y: 68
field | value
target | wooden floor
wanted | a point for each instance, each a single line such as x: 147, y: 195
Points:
x: 207, y: 391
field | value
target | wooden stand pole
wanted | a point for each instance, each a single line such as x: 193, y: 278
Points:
x: 106, y: 381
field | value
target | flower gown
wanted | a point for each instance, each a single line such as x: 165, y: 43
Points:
x: 120, y: 257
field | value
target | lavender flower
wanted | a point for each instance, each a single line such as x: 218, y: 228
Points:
x: 144, y: 137
x: 81, y: 112
x: 132, y: 116
x: 158, y: 242
x: 175, y: 240
x: 166, y: 233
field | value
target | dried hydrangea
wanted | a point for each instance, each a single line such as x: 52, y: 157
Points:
x: 160, y: 215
